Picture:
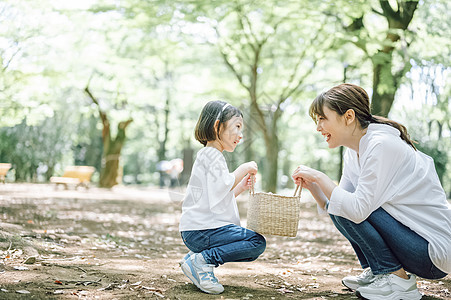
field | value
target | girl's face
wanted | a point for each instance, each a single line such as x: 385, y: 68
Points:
x: 231, y: 134
x: 332, y: 127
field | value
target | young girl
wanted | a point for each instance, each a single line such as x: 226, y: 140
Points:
x: 389, y: 203
x: 210, y: 224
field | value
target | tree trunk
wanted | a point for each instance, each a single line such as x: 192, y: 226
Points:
x: 111, y: 148
x: 270, y: 174
x: 109, y: 172
x: 384, y: 87
x: 385, y: 80
x: 188, y: 162
x: 49, y: 172
x: 111, y: 155
x: 162, y: 141
x: 249, y: 135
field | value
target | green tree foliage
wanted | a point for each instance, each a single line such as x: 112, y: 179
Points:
x: 381, y: 30
x: 430, y: 124
x: 158, y: 62
x: 29, y: 147
x: 145, y: 50
x: 271, y: 51
x: 16, y: 39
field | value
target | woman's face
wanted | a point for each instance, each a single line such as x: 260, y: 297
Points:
x: 231, y: 133
x: 332, y: 127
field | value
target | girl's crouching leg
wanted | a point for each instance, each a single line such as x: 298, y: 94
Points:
x: 234, y: 244
x: 259, y: 243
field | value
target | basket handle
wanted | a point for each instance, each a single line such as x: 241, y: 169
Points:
x: 298, y: 187
x: 252, y: 185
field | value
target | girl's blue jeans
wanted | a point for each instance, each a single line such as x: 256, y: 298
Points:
x: 230, y: 243
x: 385, y: 245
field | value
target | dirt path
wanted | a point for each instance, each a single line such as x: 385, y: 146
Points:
x: 124, y: 244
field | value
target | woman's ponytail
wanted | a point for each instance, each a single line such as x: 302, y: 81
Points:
x: 404, y: 134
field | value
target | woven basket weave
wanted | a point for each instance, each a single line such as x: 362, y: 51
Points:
x: 274, y: 214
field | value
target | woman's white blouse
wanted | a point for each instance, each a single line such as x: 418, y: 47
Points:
x: 389, y: 173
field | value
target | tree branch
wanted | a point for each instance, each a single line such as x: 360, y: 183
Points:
x: 252, y: 39
x: 377, y: 12
x: 11, y: 58
x: 408, y: 10
x: 233, y: 69
x: 293, y: 74
x: 261, y: 117
x: 124, y: 124
x: 388, y: 11
x: 103, y: 116
x: 301, y: 80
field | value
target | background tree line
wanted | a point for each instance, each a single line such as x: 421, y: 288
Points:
x: 120, y: 84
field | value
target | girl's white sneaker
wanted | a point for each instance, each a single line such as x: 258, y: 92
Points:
x: 181, y: 262
x: 201, y: 274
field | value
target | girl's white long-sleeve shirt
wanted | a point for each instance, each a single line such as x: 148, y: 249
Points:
x: 389, y: 173
x: 209, y: 201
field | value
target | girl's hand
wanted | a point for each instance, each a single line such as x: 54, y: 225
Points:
x: 252, y: 167
x: 249, y: 168
x: 244, y: 184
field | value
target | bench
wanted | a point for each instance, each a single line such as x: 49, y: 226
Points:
x: 74, y: 175
x: 4, y: 168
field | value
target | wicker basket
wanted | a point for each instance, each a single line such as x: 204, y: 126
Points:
x: 274, y: 214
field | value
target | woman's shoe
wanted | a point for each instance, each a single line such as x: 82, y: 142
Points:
x: 354, y: 282
x: 389, y: 287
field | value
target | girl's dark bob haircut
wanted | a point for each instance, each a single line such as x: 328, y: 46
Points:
x: 212, y: 111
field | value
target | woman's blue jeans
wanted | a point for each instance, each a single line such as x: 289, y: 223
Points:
x: 230, y: 243
x: 385, y: 245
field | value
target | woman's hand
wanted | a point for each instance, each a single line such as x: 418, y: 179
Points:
x: 306, y: 175
x: 308, y: 185
x: 313, y: 180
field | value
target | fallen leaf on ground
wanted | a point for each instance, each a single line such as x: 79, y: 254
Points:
x: 31, y: 260
x: 152, y: 289
x: 284, y: 291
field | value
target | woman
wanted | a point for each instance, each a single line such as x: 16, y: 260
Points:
x: 389, y: 203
